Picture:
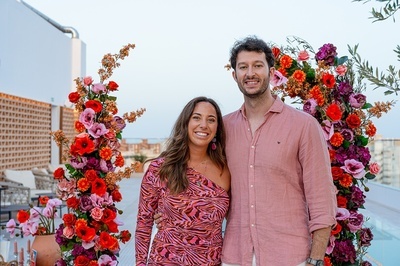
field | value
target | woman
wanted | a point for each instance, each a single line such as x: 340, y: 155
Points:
x: 188, y: 183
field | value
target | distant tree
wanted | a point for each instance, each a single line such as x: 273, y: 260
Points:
x: 391, y: 79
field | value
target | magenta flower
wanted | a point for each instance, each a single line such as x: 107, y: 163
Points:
x: 354, y: 168
x: 87, y: 117
x: 355, y: 221
x: 310, y: 106
x: 357, y: 100
x: 327, y: 53
x: 278, y: 79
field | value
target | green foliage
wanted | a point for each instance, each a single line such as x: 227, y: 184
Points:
x: 140, y: 157
x: 389, y: 9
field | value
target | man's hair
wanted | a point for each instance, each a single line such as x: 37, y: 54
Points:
x: 251, y: 44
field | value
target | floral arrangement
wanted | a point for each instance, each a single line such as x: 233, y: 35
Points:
x: 89, y: 233
x: 37, y: 220
x: 327, y: 88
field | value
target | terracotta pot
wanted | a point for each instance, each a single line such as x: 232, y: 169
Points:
x: 48, y: 251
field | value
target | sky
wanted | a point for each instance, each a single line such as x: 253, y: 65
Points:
x: 182, y: 47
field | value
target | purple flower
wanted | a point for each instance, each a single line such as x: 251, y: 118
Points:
x: 347, y: 134
x: 59, y: 236
x: 366, y: 237
x: 364, y: 155
x: 60, y: 262
x: 93, y: 163
x: 357, y: 100
x: 119, y: 122
x: 85, y: 203
x: 327, y: 53
x: 342, y: 214
x: 78, y: 162
x: 356, y: 221
x: 310, y: 106
x: 278, y: 79
x: 344, y: 251
x: 357, y: 197
x: 366, y: 263
x: 344, y: 89
x: 98, y: 87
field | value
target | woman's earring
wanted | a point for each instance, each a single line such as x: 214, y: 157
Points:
x: 213, y: 145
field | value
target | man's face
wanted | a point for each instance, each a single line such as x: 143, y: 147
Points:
x: 252, y: 73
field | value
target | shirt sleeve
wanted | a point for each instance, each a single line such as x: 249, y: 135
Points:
x: 317, y: 177
x: 148, y: 204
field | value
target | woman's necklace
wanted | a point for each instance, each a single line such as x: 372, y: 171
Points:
x: 200, y: 167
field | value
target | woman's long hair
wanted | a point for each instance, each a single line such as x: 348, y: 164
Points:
x: 176, y: 154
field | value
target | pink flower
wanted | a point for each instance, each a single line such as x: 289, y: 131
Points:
x: 356, y: 221
x: 303, y: 56
x: 374, y: 168
x: 87, y: 80
x: 354, y: 167
x: 342, y: 214
x: 97, y: 130
x: 66, y: 188
x: 10, y: 227
x: 327, y: 129
x: 310, y: 106
x: 331, y: 245
x: 87, y: 117
x: 278, y: 79
x: 341, y: 70
x: 68, y: 232
x: 106, y: 260
x: 357, y: 100
x: 96, y: 213
x: 98, y: 88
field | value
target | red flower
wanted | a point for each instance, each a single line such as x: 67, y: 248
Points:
x: 73, y: 203
x: 73, y: 97
x: 337, y: 172
x: 346, y: 180
x: 95, y: 105
x: 125, y: 236
x: 353, y: 121
x: 328, y: 80
x: 69, y: 219
x: 99, y: 187
x: 85, y: 233
x: 276, y: 51
x: 59, y: 173
x: 81, y: 260
x: 109, y: 242
x: 93, y: 263
x: 333, y: 112
x: 112, y: 86
x: 336, y: 229
x: 108, y: 215
x: 119, y: 160
x: 22, y: 216
x: 43, y: 200
x: 370, y: 129
x: 116, y: 195
x: 341, y: 201
x: 82, y: 145
x: 91, y: 175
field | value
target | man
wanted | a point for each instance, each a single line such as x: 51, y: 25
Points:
x: 283, y: 201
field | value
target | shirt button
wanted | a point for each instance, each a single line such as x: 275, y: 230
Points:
x: 252, y: 147
x: 251, y: 185
x: 252, y: 206
x: 252, y: 225
x: 251, y: 166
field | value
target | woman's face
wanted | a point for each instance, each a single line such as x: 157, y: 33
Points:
x: 203, y: 124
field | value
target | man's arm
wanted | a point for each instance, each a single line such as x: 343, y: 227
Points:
x: 319, y: 243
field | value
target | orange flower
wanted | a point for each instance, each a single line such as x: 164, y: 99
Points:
x: 299, y: 76
x: 332, y: 155
x: 370, y: 129
x: 333, y: 112
x: 99, y: 187
x: 327, y: 261
x: 286, y: 61
x: 346, y: 180
x: 95, y: 105
x: 328, y: 80
x: 43, y: 200
x: 337, y: 139
x: 109, y: 242
x: 80, y: 222
x: 85, y: 233
x: 105, y: 153
x: 316, y: 94
x: 353, y: 121
x: 341, y: 201
x: 79, y: 127
x: 22, y: 216
x: 83, y: 184
x: 119, y: 161
x: 91, y: 175
x: 283, y: 71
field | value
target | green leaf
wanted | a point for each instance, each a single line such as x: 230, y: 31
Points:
x: 367, y: 106
x: 363, y: 141
x: 369, y: 176
x: 346, y: 144
x: 342, y: 60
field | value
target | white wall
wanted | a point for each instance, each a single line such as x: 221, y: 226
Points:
x: 384, y: 195
x: 37, y: 60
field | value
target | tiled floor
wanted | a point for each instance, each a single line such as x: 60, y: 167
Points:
x: 384, y: 222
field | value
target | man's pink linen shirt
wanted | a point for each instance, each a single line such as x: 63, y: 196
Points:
x: 281, y: 185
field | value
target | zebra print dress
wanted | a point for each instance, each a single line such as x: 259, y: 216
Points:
x: 192, y: 221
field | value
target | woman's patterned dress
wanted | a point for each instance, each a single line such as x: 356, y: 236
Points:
x: 191, y: 233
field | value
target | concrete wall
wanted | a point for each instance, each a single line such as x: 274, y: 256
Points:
x: 384, y: 195
x: 37, y: 60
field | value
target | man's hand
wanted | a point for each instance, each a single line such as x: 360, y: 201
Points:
x: 157, y: 220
